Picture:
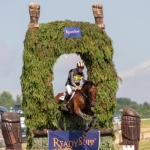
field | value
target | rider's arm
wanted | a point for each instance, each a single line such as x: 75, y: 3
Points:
x: 72, y: 79
x: 83, y: 79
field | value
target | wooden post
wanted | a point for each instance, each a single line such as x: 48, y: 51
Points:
x: 98, y: 15
x: 34, y: 10
x: 11, y: 131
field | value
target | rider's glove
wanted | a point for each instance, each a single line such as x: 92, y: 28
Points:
x: 78, y: 87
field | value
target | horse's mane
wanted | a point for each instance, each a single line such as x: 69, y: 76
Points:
x: 88, y: 82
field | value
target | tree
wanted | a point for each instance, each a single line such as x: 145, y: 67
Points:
x: 6, y: 100
x: 142, y: 109
x: 18, y: 99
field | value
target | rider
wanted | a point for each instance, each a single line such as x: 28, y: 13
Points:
x: 73, y: 81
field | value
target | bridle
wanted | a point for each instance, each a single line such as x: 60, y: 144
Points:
x: 89, y: 93
x: 88, y: 97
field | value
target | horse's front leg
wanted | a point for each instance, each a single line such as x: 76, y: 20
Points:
x: 91, y: 113
x: 81, y: 114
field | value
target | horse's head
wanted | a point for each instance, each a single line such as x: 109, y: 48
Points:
x: 90, y: 89
x: 92, y: 94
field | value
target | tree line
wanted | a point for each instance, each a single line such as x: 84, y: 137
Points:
x: 142, y: 109
x: 6, y: 100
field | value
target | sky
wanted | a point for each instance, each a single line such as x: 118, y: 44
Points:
x: 127, y: 24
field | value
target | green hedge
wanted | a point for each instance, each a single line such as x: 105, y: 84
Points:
x: 42, y: 48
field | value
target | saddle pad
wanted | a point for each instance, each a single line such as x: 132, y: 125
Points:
x: 62, y: 98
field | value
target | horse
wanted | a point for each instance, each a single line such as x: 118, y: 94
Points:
x: 82, y: 101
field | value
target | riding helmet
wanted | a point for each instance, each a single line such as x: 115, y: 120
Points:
x: 80, y: 64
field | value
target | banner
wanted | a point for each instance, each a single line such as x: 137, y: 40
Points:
x: 73, y: 140
x: 72, y: 32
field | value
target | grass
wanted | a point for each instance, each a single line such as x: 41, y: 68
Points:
x: 143, y: 145
x: 24, y: 146
x: 145, y: 123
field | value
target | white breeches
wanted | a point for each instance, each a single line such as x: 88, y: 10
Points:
x: 69, y: 89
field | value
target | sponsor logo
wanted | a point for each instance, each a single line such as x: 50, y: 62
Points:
x: 74, y: 143
x: 72, y: 32
x: 73, y: 140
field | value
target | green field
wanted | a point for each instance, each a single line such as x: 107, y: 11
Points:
x: 145, y: 123
x: 143, y: 145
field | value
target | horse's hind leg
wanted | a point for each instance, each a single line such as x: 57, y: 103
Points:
x: 81, y: 114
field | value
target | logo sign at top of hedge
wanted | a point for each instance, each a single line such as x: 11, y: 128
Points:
x: 72, y: 32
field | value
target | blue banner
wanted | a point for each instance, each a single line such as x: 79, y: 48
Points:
x: 73, y: 140
x: 72, y: 32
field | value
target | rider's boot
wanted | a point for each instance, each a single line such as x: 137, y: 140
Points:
x: 66, y: 97
x: 65, y: 101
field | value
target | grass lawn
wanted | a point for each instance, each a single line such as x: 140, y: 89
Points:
x: 143, y: 145
x: 145, y: 123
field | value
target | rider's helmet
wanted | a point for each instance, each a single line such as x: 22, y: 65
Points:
x: 80, y: 65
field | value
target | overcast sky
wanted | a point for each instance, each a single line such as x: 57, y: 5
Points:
x: 127, y: 24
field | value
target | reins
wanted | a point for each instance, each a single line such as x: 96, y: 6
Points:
x: 85, y: 96
x: 87, y: 93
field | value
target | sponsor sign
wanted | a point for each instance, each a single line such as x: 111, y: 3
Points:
x: 72, y: 32
x: 73, y: 140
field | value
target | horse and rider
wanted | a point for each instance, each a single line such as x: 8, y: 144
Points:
x: 73, y: 81
x: 79, y: 99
